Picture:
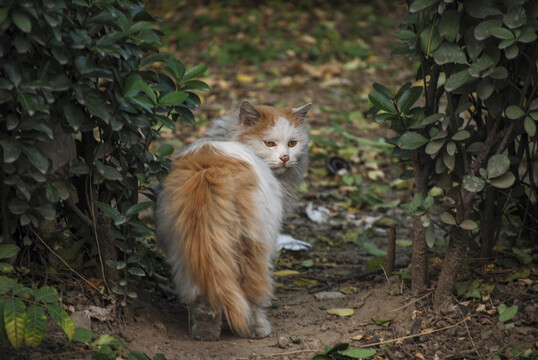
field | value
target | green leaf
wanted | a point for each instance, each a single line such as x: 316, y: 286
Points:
x: 135, y: 209
x: 525, y: 258
x: 473, y: 183
x: 195, y: 71
x: 47, y: 294
x: 449, y: 53
x: 382, y: 321
x: 12, y: 149
x: 507, y: 313
x: 136, y: 271
x: 481, y: 31
x: 149, y: 93
x: 485, y: 88
x: 434, y: 146
x: 63, y: 320
x: 36, y: 158
x: 514, y: 112
x: 8, y: 250
x: 382, y: 102
x: 108, y: 172
x: 14, y: 320
x: 411, y: 140
x: 74, y: 115
x: 175, y: 68
x: 166, y: 150
x: 131, y: 87
x: 512, y: 51
x: 382, y: 89
x: 498, y: 165
x: 6, y: 284
x: 22, y: 21
x: 468, y: 225
x: 419, y: 5
x: 530, y: 126
x: 117, y: 265
x: 455, y: 80
x: 195, y: 85
x: 518, y: 275
x: 503, y: 181
x: 409, y: 97
x: 448, y: 218
x: 359, y: 353
x: 432, y: 119
x: 35, y: 326
x: 501, y: 33
x: 137, y: 355
x: 83, y: 335
x: 461, y: 135
x: 515, y: 17
x: 449, y: 24
x: 528, y: 35
x: 173, y: 98
x: 109, y: 210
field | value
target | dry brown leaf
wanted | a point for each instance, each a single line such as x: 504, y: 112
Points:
x: 419, y: 356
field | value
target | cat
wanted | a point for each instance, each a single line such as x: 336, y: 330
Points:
x: 221, y: 209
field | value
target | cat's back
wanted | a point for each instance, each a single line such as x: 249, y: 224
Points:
x: 228, y: 169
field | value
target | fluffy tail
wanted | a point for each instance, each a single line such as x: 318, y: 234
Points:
x: 209, y: 230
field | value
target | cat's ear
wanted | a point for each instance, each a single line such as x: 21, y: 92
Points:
x: 300, y: 112
x: 248, y: 115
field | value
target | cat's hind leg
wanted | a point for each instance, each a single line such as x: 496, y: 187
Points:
x: 205, y: 321
x: 260, y: 326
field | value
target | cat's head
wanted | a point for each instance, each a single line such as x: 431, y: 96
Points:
x: 278, y: 136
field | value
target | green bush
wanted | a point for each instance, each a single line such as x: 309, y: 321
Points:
x: 82, y: 101
x: 474, y: 134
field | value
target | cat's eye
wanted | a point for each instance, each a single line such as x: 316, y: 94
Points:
x: 292, y: 143
x: 269, y: 143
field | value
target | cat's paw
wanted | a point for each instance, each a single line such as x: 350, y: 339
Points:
x: 262, y: 327
x: 206, y: 333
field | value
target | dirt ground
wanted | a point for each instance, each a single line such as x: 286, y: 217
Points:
x: 386, y: 313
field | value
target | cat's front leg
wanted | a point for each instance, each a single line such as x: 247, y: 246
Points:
x: 205, y: 322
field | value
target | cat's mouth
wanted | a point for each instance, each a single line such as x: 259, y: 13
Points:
x: 280, y: 168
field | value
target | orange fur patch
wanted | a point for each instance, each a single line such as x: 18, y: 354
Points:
x: 269, y: 116
x: 212, y: 200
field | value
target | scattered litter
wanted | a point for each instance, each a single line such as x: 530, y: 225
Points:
x: 341, y: 312
x: 319, y: 215
x: 290, y: 243
x: 329, y: 295
x: 99, y: 313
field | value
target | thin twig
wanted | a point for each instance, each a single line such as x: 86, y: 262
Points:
x: 92, y: 209
x: 264, y: 356
x: 469, y: 333
x: 412, y: 302
x: 65, y: 262
x: 417, y: 335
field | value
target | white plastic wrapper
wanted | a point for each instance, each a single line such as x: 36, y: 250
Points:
x: 290, y: 243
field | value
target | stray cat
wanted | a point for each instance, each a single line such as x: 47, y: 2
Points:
x: 221, y: 209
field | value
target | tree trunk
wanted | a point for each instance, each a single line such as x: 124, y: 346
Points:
x: 419, y: 267
x: 489, y: 224
x: 453, y: 260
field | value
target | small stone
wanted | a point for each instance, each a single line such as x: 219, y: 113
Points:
x: 81, y: 320
x: 283, y: 342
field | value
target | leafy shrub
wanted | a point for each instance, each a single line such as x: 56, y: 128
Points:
x: 474, y: 135
x: 82, y: 101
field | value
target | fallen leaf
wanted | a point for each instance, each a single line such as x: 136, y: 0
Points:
x: 416, y: 313
x: 284, y: 273
x: 341, y: 312
x: 307, y: 283
x: 419, y: 356
x: 244, y: 78
x: 348, y: 290
x: 382, y: 322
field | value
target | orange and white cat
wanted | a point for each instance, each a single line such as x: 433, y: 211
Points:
x: 221, y: 209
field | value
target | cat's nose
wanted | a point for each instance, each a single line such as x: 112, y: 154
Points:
x: 284, y: 158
